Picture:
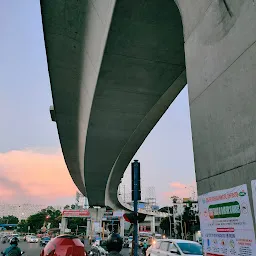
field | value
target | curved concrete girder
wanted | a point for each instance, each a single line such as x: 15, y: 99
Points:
x: 143, y: 60
x: 74, y: 52
x: 137, y: 139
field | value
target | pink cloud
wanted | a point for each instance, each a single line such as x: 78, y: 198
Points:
x: 28, y: 175
x: 181, y: 190
x: 177, y: 185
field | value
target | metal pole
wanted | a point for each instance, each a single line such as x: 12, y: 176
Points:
x: 170, y: 221
x: 182, y: 228
x: 136, y: 195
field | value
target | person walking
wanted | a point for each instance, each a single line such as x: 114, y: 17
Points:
x: 114, y: 244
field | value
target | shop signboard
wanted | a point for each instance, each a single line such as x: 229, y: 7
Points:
x: 226, y: 223
x: 76, y: 213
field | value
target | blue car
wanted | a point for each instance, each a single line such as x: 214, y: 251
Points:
x: 44, y: 240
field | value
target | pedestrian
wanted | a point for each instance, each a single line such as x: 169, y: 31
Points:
x: 145, y: 247
x: 114, y: 244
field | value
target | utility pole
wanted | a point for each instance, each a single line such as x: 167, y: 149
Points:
x: 135, y: 196
x: 170, y: 221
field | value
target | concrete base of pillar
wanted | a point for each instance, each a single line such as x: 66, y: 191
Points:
x: 88, y: 227
x: 64, y: 225
x: 153, y: 225
x: 96, y: 220
x: 122, y: 227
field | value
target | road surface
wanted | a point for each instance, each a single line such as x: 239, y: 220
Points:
x: 31, y: 249
x: 34, y: 249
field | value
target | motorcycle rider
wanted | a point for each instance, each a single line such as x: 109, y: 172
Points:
x: 114, y: 244
x: 13, y: 250
x: 145, y: 246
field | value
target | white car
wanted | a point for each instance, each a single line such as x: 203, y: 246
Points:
x: 32, y: 239
x: 171, y: 247
x: 12, y: 236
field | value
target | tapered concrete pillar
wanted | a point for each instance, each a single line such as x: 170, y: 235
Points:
x: 64, y: 225
x: 153, y: 224
x: 220, y: 63
x: 96, y: 219
x: 122, y: 227
x: 88, y: 227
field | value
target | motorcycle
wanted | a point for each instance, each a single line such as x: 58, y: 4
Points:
x: 21, y: 253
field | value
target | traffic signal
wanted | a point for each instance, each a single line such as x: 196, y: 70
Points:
x: 136, y: 165
x: 130, y: 217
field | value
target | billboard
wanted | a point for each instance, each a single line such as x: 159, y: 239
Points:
x: 76, y: 213
x: 226, y: 222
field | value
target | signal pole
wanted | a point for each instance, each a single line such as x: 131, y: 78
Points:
x: 135, y: 196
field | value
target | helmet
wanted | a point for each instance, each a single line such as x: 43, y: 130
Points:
x: 114, y: 243
x: 14, y: 240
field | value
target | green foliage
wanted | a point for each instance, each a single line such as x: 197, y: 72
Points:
x: 189, y: 218
x: 10, y: 219
x: 165, y: 225
x: 54, y: 216
x: 23, y: 226
x: 74, y: 222
x: 37, y: 221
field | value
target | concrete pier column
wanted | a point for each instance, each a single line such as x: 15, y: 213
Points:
x: 96, y: 219
x: 153, y: 224
x: 88, y: 227
x: 121, y: 226
x: 221, y: 83
x: 64, y: 225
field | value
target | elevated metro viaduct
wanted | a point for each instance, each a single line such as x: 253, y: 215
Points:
x: 116, y: 66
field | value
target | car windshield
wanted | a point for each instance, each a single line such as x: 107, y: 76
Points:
x: 191, y: 248
x: 33, y: 237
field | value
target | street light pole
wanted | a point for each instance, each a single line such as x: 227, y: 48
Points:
x: 136, y: 197
x: 170, y: 221
x: 191, y: 188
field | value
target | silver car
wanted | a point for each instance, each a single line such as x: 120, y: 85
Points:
x: 174, y: 247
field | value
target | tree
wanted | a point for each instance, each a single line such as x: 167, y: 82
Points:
x: 73, y: 223
x: 45, y: 216
x: 10, y: 219
x: 53, y: 216
x: 66, y: 207
x: 191, y: 220
x: 165, y: 225
x: 36, y: 221
x: 23, y: 226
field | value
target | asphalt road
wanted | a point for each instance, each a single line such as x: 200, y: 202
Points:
x: 34, y: 249
x: 31, y: 249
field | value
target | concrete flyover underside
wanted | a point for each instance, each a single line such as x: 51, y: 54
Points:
x: 115, y: 67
